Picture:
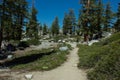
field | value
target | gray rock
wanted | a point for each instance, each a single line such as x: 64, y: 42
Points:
x: 63, y: 48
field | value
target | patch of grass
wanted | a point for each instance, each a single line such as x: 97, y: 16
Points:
x: 89, y: 56
x: 51, y: 61
x: 45, y: 59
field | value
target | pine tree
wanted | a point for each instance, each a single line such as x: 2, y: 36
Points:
x: 40, y: 29
x: 117, y: 24
x: 91, y: 17
x: 72, y: 21
x: 45, y: 29
x: 79, y: 24
x: 108, y: 16
x: 99, y: 15
x: 2, y: 16
x: 65, y: 24
x: 32, y: 29
x: 21, y: 15
x: 85, y: 17
x: 12, y: 16
x: 55, y: 27
x: 15, y: 14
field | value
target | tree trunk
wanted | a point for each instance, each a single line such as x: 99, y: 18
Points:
x: 2, y: 22
x: 1, y: 38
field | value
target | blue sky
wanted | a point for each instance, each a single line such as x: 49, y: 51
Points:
x: 49, y: 9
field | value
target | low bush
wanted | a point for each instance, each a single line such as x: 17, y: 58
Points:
x: 103, y: 58
x: 108, y: 68
x: 33, y: 42
x: 23, y: 44
x: 14, y: 42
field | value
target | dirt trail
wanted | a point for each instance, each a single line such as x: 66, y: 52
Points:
x: 67, y: 71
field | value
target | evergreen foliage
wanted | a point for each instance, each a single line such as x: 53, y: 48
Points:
x: 45, y: 29
x: 12, y: 19
x: 65, y: 24
x: 117, y: 24
x: 108, y: 16
x: 69, y: 23
x: 55, y: 27
x: 32, y: 28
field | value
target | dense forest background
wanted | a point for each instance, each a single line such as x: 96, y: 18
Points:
x: 17, y: 21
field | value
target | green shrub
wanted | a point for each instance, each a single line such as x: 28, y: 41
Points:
x: 91, y: 55
x: 14, y: 42
x: 108, y: 68
x: 23, y: 44
x: 33, y: 42
x: 103, y: 58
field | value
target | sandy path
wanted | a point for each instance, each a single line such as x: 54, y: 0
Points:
x: 67, y: 71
